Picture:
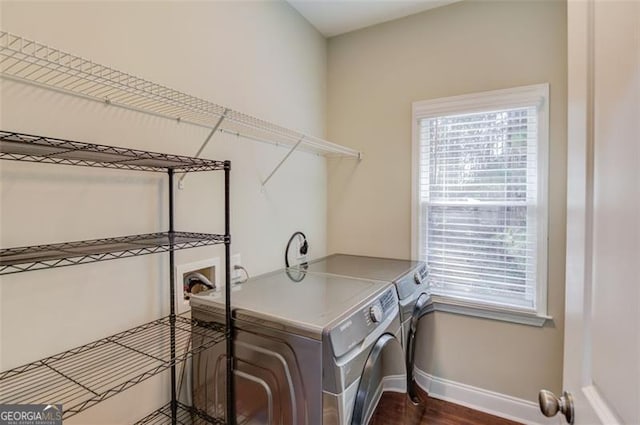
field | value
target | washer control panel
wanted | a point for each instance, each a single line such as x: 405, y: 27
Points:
x: 351, y: 331
x: 375, y: 313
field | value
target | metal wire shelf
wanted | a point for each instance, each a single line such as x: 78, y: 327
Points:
x: 84, y: 376
x: 27, y: 147
x: 21, y: 259
x: 38, y: 64
x: 186, y: 415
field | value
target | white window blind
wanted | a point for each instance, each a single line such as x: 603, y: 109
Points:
x: 478, y: 204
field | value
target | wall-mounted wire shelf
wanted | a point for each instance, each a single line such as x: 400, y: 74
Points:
x: 26, y: 147
x: 84, y: 376
x: 21, y: 259
x: 38, y: 64
x: 186, y: 415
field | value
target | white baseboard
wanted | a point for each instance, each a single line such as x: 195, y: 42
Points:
x: 504, y: 406
x: 600, y: 407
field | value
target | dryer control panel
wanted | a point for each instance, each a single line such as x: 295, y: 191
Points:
x: 353, y: 330
x: 413, y: 282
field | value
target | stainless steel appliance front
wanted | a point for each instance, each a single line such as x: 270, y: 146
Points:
x: 410, y: 280
x: 278, y: 375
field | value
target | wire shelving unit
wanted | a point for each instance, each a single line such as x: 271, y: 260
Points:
x: 84, y: 376
x: 36, y: 63
x: 22, y: 259
x: 187, y: 415
x: 49, y: 150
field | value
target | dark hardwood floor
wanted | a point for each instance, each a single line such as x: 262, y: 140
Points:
x: 396, y: 409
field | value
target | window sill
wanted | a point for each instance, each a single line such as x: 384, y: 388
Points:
x: 466, y: 308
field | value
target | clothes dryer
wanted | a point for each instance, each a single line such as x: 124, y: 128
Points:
x: 309, y: 349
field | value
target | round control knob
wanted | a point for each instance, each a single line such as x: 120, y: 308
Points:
x: 417, y: 278
x: 375, y: 313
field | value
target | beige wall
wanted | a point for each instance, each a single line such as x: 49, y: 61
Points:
x: 373, y: 77
x: 259, y: 57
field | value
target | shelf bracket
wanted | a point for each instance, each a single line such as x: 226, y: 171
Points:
x: 206, y: 142
x: 282, y: 161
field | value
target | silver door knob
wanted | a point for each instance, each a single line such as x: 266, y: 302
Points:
x: 550, y: 405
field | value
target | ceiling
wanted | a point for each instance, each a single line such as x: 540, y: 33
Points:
x: 334, y: 17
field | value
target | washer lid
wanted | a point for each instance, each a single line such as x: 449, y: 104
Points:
x: 308, y: 306
x: 397, y: 271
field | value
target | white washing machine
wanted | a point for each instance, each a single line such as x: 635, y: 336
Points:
x: 410, y: 280
x: 309, y: 349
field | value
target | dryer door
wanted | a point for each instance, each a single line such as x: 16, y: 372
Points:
x: 422, y: 307
x: 383, y: 371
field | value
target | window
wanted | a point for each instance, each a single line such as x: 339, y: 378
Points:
x: 480, y: 188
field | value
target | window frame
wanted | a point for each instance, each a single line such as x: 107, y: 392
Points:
x: 537, y: 94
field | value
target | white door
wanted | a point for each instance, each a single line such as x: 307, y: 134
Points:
x: 602, y: 330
